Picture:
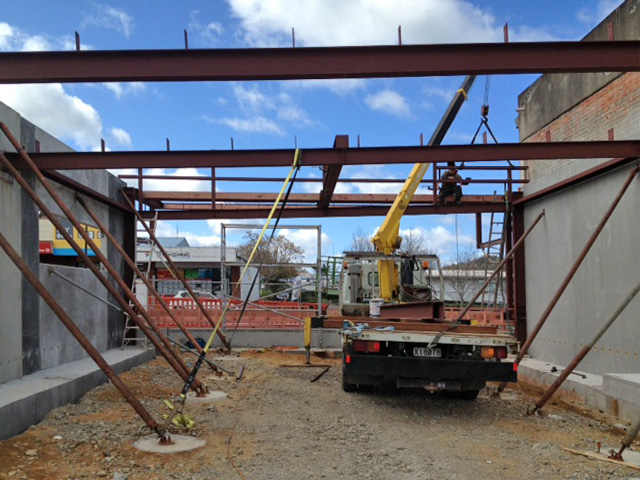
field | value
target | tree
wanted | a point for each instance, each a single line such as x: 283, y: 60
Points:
x: 279, y: 250
x: 463, y: 282
x: 360, y: 242
x: 413, y: 243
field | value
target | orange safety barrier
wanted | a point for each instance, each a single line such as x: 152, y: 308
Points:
x: 187, y: 312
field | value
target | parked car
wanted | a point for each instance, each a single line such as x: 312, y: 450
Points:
x: 199, y: 293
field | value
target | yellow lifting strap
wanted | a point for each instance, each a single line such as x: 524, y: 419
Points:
x: 464, y: 94
x: 296, y: 161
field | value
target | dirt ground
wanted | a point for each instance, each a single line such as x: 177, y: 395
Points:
x: 277, y: 423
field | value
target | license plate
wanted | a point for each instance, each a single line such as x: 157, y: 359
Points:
x: 427, y: 352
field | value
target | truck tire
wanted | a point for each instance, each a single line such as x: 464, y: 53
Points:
x: 349, y: 387
x: 463, y: 395
x: 468, y: 394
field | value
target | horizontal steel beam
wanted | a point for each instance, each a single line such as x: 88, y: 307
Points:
x: 576, y: 179
x: 330, y: 156
x: 315, y: 212
x: 318, y: 63
x: 311, y: 198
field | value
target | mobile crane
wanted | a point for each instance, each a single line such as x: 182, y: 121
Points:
x: 432, y: 354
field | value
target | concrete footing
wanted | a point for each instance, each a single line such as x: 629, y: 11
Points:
x: 26, y: 401
x: 613, y: 393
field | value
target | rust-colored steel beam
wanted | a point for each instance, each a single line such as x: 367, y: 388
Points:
x: 318, y: 62
x: 238, y: 212
x: 176, y: 271
x: 163, y: 346
x: 565, y: 283
x: 78, y: 335
x: 576, y: 179
x: 586, y: 349
x: 331, y: 156
x: 331, y: 173
x: 295, y: 198
x: 79, y: 187
x: 132, y: 264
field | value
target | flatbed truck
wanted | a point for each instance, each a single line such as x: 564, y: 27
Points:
x: 437, y: 357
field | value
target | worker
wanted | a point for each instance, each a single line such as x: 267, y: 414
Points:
x: 450, y: 187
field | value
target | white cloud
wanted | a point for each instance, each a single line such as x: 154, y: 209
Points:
x: 251, y: 99
x: 592, y: 17
x: 339, y: 86
x: 390, y: 102
x: 169, y: 183
x: 6, y: 34
x: 120, y: 137
x: 207, y: 33
x: 371, y: 22
x: 260, y: 111
x: 253, y: 125
x: 122, y: 89
x: 110, y: 18
x: 44, y: 105
x: 441, y: 240
x: 307, y: 239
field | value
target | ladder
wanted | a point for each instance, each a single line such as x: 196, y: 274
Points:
x: 493, y: 250
x: 132, y: 334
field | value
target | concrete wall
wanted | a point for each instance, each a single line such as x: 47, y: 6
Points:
x: 31, y: 336
x: 10, y: 291
x: 584, y: 107
x: 605, y: 277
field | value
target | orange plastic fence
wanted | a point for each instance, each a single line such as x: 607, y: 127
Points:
x: 188, y: 313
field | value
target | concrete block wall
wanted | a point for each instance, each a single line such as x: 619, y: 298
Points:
x: 574, y: 107
x: 31, y: 336
x: 10, y: 291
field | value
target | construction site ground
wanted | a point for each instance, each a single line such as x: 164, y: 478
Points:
x: 276, y: 423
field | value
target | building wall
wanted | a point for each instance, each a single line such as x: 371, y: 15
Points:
x: 31, y: 336
x: 576, y: 107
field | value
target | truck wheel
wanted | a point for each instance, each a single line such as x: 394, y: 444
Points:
x: 349, y: 387
x: 468, y: 394
x: 464, y: 395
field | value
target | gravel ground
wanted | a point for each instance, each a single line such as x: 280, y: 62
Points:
x: 276, y: 423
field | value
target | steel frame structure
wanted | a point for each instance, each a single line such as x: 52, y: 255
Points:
x: 328, y: 63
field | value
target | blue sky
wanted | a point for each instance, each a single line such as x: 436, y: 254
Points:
x: 383, y: 112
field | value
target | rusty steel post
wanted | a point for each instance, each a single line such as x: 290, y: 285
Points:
x: 176, y: 362
x: 573, y: 271
x: 103, y: 228
x: 632, y: 433
x: 500, y: 265
x: 78, y: 335
x: 586, y: 349
x: 178, y: 275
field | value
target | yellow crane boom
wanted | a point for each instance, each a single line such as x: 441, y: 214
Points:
x: 387, y: 240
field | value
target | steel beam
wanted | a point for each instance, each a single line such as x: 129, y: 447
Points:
x: 315, y: 212
x: 331, y: 156
x: 576, y: 179
x: 331, y: 173
x: 318, y: 63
